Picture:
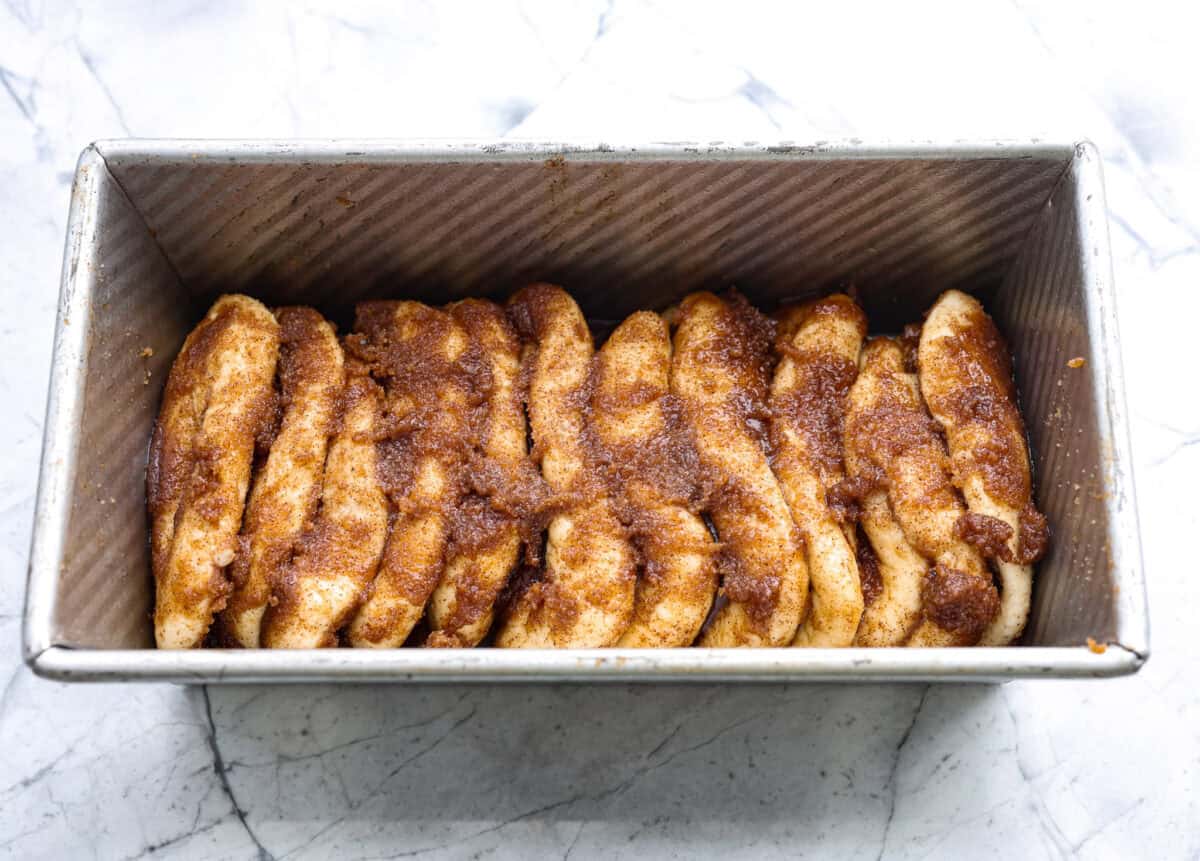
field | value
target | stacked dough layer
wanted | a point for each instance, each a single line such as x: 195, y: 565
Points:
x: 476, y: 474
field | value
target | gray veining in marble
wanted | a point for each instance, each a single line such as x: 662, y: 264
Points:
x: 1036, y: 770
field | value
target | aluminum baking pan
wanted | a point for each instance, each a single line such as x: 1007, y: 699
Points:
x: 157, y: 228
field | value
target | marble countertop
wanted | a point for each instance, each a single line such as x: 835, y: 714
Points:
x: 1029, y: 769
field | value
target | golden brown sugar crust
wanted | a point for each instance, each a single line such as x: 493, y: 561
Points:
x: 287, y: 486
x: 584, y: 597
x: 219, y: 399
x: 719, y: 375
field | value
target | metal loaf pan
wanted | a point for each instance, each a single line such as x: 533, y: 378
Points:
x: 158, y: 228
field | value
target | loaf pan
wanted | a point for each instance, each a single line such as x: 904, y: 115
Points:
x: 158, y: 228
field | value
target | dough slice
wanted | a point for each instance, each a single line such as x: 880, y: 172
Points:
x: 891, y: 440
x: 287, y: 487
x: 719, y: 376
x: 336, y: 561
x: 966, y: 379
x: 818, y: 348
x: 486, y: 533
x: 652, y: 476
x: 418, y: 352
x: 219, y: 398
x: 584, y: 598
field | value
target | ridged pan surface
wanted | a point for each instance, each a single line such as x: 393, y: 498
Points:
x: 620, y: 234
x: 1050, y: 308
x: 137, y: 316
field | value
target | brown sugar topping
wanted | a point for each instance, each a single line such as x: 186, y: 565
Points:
x: 432, y: 389
x: 844, y: 498
x: 868, y: 568
x: 721, y: 371
x: 987, y: 402
x: 967, y: 379
x: 897, y: 423
x: 757, y: 592
x: 412, y: 363
x: 199, y: 465
x: 816, y: 407
x: 958, y: 602
x: 585, y: 594
x: 1035, y: 535
x: 748, y: 346
x: 170, y: 462
x: 988, y: 535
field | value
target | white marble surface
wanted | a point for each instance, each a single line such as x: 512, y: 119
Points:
x: 1031, y: 770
